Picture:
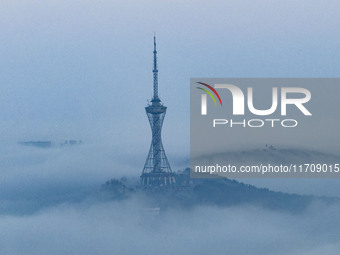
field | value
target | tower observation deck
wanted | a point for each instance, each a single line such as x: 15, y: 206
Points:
x: 157, y: 172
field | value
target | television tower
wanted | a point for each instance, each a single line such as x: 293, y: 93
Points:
x: 157, y: 172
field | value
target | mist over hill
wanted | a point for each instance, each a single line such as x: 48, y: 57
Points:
x: 70, y: 180
x: 80, y: 200
x: 219, y: 192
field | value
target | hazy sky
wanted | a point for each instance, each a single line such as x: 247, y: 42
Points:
x: 82, y: 69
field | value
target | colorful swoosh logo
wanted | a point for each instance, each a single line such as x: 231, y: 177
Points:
x: 209, y: 93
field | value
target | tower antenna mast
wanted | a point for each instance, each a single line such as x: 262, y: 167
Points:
x: 155, y: 71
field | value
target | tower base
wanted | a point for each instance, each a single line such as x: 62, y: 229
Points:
x: 158, y: 180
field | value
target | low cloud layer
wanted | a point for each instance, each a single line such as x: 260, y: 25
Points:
x: 48, y: 205
x: 129, y: 228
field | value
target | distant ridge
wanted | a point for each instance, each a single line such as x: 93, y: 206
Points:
x: 270, y: 154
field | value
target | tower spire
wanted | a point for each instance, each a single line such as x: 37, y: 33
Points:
x: 155, y: 73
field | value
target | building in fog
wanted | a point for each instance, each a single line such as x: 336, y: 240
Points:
x: 157, y: 172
